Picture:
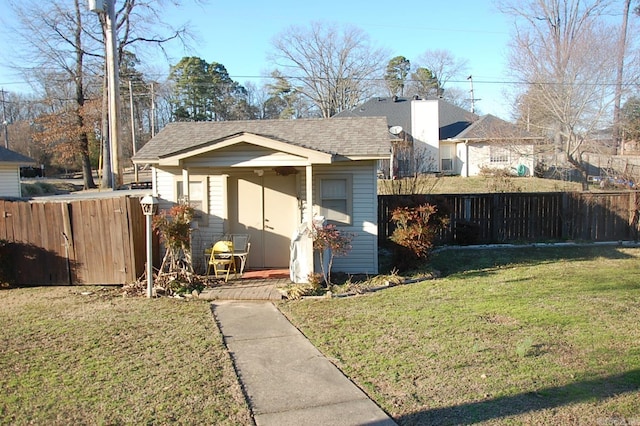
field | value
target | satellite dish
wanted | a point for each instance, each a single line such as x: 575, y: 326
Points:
x: 395, y: 130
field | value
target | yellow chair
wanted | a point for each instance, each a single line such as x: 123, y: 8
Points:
x: 222, y: 259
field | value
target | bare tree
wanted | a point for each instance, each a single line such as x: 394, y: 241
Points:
x: 61, y: 38
x: 443, y: 67
x: 561, y: 52
x: 335, y: 67
x: 53, y: 44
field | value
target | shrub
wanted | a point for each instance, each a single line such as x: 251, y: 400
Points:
x: 174, y: 228
x: 415, y: 230
x: 328, y: 239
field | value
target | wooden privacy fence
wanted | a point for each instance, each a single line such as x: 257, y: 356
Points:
x: 97, y: 241
x: 525, y: 217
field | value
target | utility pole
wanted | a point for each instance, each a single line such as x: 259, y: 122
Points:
x: 133, y: 130
x: 5, y: 123
x: 107, y: 8
x: 622, y: 44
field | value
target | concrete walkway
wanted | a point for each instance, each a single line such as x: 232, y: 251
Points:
x: 286, y: 379
x: 260, y: 289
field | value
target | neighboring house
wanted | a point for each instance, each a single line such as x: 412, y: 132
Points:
x: 267, y: 178
x: 435, y: 136
x: 10, y: 163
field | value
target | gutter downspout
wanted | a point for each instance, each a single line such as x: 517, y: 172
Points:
x: 466, y: 163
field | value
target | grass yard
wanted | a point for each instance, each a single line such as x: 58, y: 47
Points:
x: 98, y: 358
x: 431, y: 184
x: 512, y: 336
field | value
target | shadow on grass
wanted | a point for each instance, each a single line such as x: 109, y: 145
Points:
x: 27, y: 265
x: 478, y: 260
x: 473, y: 412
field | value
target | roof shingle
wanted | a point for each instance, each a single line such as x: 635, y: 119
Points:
x: 8, y: 156
x: 352, y: 136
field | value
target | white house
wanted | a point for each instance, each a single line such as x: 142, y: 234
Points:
x: 435, y: 136
x: 267, y: 178
x: 10, y: 163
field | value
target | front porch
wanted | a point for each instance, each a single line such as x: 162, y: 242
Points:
x: 254, y: 285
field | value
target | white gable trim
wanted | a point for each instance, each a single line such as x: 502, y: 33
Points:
x: 312, y: 156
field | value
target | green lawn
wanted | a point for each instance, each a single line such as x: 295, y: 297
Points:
x: 98, y: 358
x: 517, y: 336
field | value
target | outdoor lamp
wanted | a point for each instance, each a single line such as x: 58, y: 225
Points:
x: 149, y: 207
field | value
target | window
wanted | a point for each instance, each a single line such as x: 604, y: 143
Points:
x: 498, y: 154
x: 197, y: 198
x: 446, y: 157
x: 335, y: 198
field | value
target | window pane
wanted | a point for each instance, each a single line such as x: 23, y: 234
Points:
x: 195, y: 190
x: 334, y: 188
x: 498, y: 155
x: 335, y: 209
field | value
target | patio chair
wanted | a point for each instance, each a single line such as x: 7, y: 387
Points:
x: 222, y: 259
x: 241, y: 247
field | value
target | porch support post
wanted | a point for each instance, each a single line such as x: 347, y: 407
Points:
x: 309, y: 213
x: 185, y: 184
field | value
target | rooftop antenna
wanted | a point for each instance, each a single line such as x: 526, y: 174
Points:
x: 473, y: 99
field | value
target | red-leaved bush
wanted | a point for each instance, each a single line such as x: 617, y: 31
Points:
x: 338, y: 243
x: 416, y: 230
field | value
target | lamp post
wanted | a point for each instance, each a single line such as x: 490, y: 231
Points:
x: 149, y: 207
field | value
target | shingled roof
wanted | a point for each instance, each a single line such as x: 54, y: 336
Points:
x: 397, y: 111
x: 452, y: 119
x: 8, y: 156
x: 348, y: 137
x: 490, y: 127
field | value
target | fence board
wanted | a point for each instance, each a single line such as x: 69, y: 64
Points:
x: 526, y: 217
x: 99, y: 241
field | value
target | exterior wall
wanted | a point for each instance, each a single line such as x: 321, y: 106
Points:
x: 10, y: 181
x: 480, y: 157
x: 202, y: 236
x: 363, y: 257
x: 461, y: 166
x: 425, y: 129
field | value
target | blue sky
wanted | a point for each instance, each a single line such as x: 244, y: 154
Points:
x: 238, y: 34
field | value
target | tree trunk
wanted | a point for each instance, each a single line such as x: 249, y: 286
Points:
x: 87, y: 174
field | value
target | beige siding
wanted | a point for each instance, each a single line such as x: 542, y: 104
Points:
x: 203, y: 236
x: 9, y: 181
x: 245, y: 155
x: 363, y: 257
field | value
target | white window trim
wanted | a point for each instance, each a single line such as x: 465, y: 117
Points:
x: 349, y: 196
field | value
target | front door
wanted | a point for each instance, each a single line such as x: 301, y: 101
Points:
x: 265, y: 207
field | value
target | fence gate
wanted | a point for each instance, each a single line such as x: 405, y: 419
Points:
x: 99, y: 241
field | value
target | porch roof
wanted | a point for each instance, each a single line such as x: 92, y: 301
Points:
x: 323, y: 140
